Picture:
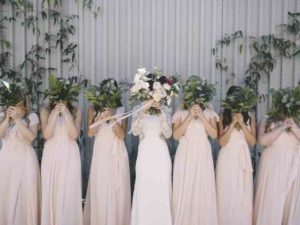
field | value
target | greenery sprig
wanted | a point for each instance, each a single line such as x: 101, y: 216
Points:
x: 197, y: 91
x: 285, y: 103
x: 12, y: 93
x: 63, y: 90
x: 242, y: 100
x: 108, y: 95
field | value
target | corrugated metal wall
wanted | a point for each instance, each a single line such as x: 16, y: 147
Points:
x: 174, y: 35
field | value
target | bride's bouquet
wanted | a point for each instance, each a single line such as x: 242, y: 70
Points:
x: 12, y: 93
x: 240, y: 101
x: 285, y: 104
x: 197, y: 91
x: 107, y: 95
x: 156, y: 86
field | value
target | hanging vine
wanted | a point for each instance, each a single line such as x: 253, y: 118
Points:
x: 265, y: 50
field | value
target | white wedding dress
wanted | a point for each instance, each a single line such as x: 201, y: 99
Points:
x: 152, y: 193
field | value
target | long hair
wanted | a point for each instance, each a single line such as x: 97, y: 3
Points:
x: 26, y: 104
x: 227, y: 114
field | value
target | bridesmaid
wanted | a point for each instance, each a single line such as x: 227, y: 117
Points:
x: 278, y: 168
x: 61, y: 171
x: 19, y: 168
x: 108, y: 200
x: 194, y: 191
x: 234, y: 169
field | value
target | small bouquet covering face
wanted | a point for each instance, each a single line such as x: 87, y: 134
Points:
x: 12, y: 93
x: 106, y: 95
x: 153, y: 86
x: 63, y: 90
x: 285, y: 104
x: 197, y: 91
x: 242, y: 100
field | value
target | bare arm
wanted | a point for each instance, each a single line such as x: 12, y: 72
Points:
x: 4, y: 125
x: 209, y: 124
x: 91, y: 115
x: 179, y: 127
x: 48, y: 121
x: 294, y: 128
x: 28, y: 133
x: 73, y: 124
x: 267, y: 138
x: 250, y: 135
x: 225, y: 134
x: 120, y: 129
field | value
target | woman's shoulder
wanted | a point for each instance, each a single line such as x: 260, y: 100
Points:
x: 179, y: 114
x: 209, y: 113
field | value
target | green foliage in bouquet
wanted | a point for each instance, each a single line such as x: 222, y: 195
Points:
x: 197, y: 91
x: 242, y: 100
x: 107, y: 95
x: 12, y: 93
x: 62, y: 90
x: 285, y: 104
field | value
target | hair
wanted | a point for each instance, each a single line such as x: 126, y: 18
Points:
x: 227, y: 114
x: 26, y: 104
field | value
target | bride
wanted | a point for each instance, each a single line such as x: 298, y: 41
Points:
x: 152, y: 194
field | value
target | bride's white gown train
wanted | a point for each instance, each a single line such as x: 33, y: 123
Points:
x: 152, y: 193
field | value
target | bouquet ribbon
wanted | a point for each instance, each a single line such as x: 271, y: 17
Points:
x: 121, y: 116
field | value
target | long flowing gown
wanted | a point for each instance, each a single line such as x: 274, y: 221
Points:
x: 276, y: 182
x: 61, y: 179
x: 295, y: 208
x: 194, y: 190
x: 19, y: 179
x: 153, y: 190
x: 235, y: 182
x: 108, y: 200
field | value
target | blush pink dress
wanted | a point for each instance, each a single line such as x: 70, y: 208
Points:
x: 276, y: 187
x: 61, y: 179
x: 108, y: 200
x: 235, y: 182
x: 19, y: 179
x: 194, y: 191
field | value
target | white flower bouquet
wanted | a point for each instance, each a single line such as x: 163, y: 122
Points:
x: 155, y: 85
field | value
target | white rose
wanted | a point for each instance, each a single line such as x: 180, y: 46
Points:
x: 156, y: 86
x: 142, y: 71
x: 134, y: 89
x: 156, y: 97
x: 145, y: 85
x: 137, y: 78
x: 167, y: 87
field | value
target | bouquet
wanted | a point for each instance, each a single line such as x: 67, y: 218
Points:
x: 12, y: 93
x: 154, y: 86
x: 106, y: 95
x: 242, y: 100
x: 285, y: 104
x: 197, y: 91
x: 62, y: 90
